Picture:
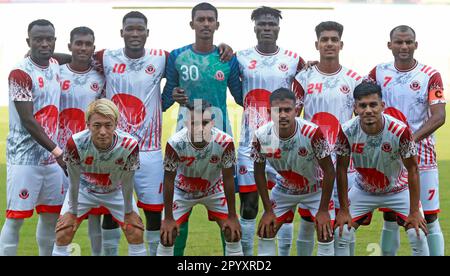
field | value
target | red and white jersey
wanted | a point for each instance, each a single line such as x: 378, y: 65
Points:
x: 408, y: 96
x: 102, y: 171
x: 378, y: 158
x: 262, y: 74
x: 134, y: 86
x: 78, y: 90
x: 327, y: 99
x: 199, y: 171
x: 29, y: 82
x: 295, y: 158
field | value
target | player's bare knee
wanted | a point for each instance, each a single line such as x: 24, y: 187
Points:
x: 389, y: 216
x: 134, y: 235
x: 64, y: 237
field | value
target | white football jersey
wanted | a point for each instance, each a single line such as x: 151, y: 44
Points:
x: 408, y: 96
x: 199, y: 171
x: 378, y: 158
x: 29, y: 82
x: 102, y: 171
x: 78, y: 90
x: 262, y: 74
x: 327, y: 99
x: 295, y: 158
x: 134, y: 86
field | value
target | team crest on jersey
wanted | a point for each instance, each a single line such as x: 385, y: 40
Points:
x: 386, y: 147
x: 220, y: 76
x: 175, y: 205
x: 214, y: 159
x: 89, y: 160
x: 150, y: 69
x: 95, y: 86
x: 302, y: 151
x: 243, y: 170
x: 345, y: 89
x: 415, y: 86
x: 283, y: 67
x: 24, y: 194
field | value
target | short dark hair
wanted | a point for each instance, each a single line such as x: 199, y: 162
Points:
x: 134, y: 14
x: 266, y: 10
x: 402, y: 28
x: 81, y: 31
x: 192, y: 104
x: 329, y: 26
x: 40, y: 22
x: 367, y: 88
x: 282, y: 94
x: 204, y: 7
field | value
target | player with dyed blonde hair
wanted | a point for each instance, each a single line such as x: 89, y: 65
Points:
x: 101, y: 162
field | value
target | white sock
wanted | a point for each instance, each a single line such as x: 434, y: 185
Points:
x: 342, y: 244
x: 164, y: 250
x: 62, y: 250
x: 45, y: 233
x: 419, y: 246
x: 233, y: 249
x: 435, y: 239
x: 152, y: 238
x: 137, y: 250
x: 305, y: 239
x: 284, y: 237
x: 248, y: 232
x: 110, y: 241
x: 267, y: 247
x: 390, y: 238
x: 325, y: 248
x: 9, y: 238
x: 95, y: 234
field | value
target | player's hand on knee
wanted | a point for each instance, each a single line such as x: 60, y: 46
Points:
x: 417, y: 221
x: 66, y: 221
x: 169, y: 231
x: 232, y: 229
x: 133, y: 220
x: 267, y: 225
x: 343, y: 218
x: 323, y: 226
x: 225, y: 52
x: 179, y: 95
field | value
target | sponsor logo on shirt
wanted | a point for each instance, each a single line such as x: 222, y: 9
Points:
x: 89, y: 160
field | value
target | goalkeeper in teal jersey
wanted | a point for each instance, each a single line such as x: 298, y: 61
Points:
x: 195, y: 72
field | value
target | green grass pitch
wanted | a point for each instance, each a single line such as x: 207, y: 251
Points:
x: 204, y: 238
